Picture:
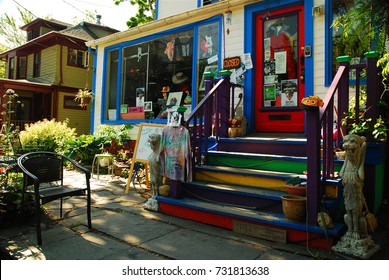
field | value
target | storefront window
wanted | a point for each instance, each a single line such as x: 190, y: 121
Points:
x: 352, y: 45
x: 157, y: 74
x: 208, y: 39
x: 112, y: 85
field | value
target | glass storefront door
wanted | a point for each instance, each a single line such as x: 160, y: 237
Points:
x: 279, y: 78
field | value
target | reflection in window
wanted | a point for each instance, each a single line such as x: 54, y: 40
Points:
x: 11, y: 68
x: 77, y: 58
x: 112, y: 84
x: 37, y: 64
x: 22, y: 67
x: 149, y: 67
x: 208, y: 38
x: 351, y: 46
x: 157, y: 74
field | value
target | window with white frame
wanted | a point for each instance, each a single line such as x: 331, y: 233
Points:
x: 77, y: 58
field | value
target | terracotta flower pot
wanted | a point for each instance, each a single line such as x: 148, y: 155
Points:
x: 296, y: 190
x: 294, y: 207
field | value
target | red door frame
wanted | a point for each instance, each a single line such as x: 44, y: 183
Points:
x: 279, y: 119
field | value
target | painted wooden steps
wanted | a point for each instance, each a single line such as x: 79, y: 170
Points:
x: 269, y: 162
x: 269, y: 144
x: 243, y: 181
x: 226, y: 216
x: 274, y: 180
x: 235, y: 195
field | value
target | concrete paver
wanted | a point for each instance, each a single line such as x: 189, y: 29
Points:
x: 124, y: 230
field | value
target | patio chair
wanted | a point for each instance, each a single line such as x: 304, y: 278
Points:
x: 43, y: 179
x: 17, y: 147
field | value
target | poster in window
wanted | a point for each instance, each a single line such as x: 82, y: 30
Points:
x: 269, y: 93
x: 280, y: 58
x: 140, y: 97
x: 208, y: 68
x: 289, y: 92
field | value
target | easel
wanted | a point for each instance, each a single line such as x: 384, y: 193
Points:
x: 142, y: 150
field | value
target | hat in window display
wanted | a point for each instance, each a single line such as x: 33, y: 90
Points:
x: 179, y: 78
x: 165, y: 89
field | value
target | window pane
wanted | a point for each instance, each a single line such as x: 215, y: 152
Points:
x: 208, y: 38
x: 151, y: 66
x: 37, y: 64
x: 351, y: 45
x: 111, y: 84
x: 22, y: 67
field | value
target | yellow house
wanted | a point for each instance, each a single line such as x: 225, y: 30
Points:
x: 47, y: 71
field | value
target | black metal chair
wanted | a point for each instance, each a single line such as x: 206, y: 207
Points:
x: 43, y: 178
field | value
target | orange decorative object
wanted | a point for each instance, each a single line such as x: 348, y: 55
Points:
x: 312, y: 101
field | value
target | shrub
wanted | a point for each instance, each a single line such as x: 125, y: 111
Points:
x: 52, y: 135
x: 84, y: 148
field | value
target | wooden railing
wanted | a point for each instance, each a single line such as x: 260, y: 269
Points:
x: 203, y: 122
x: 320, y: 124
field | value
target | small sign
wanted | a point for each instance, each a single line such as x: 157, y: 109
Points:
x: 138, y: 109
x: 268, y: 233
x: 231, y: 63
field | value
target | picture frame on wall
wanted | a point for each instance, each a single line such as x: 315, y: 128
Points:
x: 148, y: 106
x: 208, y: 68
x: 174, y: 98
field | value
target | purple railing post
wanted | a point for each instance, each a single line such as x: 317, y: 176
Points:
x: 373, y: 87
x: 224, y: 97
x: 343, y: 93
x: 313, y: 168
x: 208, y: 81
x: 208, y: 113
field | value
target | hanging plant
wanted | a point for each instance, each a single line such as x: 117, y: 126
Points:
x: 84, y: 96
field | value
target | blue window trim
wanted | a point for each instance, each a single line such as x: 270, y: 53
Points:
x: 93, y: 54
x: 120, y: 46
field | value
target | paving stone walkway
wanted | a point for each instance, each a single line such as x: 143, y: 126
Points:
x: 124, y: 230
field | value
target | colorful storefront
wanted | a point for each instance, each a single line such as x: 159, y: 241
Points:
x: 279, y: 62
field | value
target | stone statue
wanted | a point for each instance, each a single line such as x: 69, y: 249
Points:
x: 154, y: 165
x: 356, y: 240
x: 353, y: 175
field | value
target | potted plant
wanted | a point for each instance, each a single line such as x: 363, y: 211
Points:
x: 84, y: 96
x: 295, y: 186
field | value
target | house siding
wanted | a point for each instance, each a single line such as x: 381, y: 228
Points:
x: 74, y: 76
x: 78, y: 119
x: 234, y: 45
x: 319, y: 54
x: 48, y: 66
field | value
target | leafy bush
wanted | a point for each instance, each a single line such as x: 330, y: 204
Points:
x: 84, y: 148
x: 120, y: 133
x: 52, y: 135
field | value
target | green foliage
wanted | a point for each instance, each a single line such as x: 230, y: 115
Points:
x: 2, y: 63
x: 120, y: 133
x: 84, y: 148
x: 380, y: 132
x: 11, y: 184
x: 384, y: 63
x: 10, y: 29
x: 146, y: 11
x: 364, y: 27
x: 52, y: 135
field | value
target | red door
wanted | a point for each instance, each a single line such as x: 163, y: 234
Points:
x: 279, y: 64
